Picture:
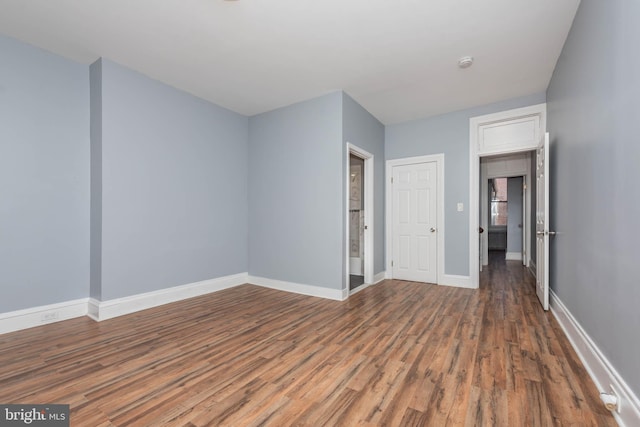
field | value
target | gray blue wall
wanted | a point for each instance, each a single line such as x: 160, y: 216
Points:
x: 449, y: 134
x: 296, y: 174
x: 360, y: 128
x: 174, y: 186
x: 44, y: 177
x: 594, y: 123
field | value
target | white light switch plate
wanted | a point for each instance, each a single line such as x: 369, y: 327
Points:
x: 460, y: 207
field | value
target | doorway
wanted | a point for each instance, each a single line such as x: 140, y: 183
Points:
x: 507, y: 207
x: 512, y: 131
x: 358, y: 219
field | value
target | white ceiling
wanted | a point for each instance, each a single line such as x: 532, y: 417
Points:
x: 397, y: 58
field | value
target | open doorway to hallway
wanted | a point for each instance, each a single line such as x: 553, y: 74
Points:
x: 507, y: 208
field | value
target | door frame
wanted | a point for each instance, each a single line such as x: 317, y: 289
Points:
x: 440, y: 223
x: 526, y: 206
x: 367, y: 176
x: 475, y: 153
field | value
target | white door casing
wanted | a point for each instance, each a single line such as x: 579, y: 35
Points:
x: 415, y: 222
x: 368, y: 232
x: 505, y: 132
x: 542, y: 222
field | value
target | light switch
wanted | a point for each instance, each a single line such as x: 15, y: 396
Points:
x: 460, y: 207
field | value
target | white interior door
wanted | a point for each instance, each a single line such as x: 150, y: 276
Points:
x: 542, y: 222
x: 414, y: 245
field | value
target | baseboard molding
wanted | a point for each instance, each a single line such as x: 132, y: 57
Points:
x: 379, y: 277
x: 599, y: 368
x: 298, y: 288
x: 513, y: 256
x: 457, y: 281
x: 103, y: 310
x: 28, y: 318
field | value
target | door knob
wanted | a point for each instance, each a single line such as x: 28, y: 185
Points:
x: 433, y: 230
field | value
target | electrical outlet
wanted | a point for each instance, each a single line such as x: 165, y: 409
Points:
x: 613, y: 391
x: 49, y: 316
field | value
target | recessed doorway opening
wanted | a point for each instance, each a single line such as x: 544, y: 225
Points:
x: 359, y: 220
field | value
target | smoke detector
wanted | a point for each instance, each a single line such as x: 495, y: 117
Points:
x: 465, y: 62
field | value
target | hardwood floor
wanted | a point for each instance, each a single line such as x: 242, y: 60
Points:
x: 398, y: 353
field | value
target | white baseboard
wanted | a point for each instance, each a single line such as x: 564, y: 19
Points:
x: 379, y: 277
x: 298, y: 288
x: 457, y: 281
x: 103, y: 310
x: 513, y: 256
x: 37, y: 316
x: 603, y: 374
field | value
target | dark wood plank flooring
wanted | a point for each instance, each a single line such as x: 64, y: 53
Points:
x: 398, y: 353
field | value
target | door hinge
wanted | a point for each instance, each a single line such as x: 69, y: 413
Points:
x: 391, y: 263
x: 524, y: 186
x: 392, y: 180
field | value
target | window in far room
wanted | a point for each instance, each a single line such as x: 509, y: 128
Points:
x: 498, y: 188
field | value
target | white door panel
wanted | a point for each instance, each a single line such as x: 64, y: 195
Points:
x: 414, y: 245
x: 542, y: 222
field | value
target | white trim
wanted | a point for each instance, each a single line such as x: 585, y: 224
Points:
x: 440, y: 223
x: 603, y: 374
x: 379, y: 277
x: 36, y: 316
x: 103, y: 310
x: 369, y: 234
x: 457, y: 281
x: 513, y: 256
x: 474, y: 173
x: 299, y: 288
